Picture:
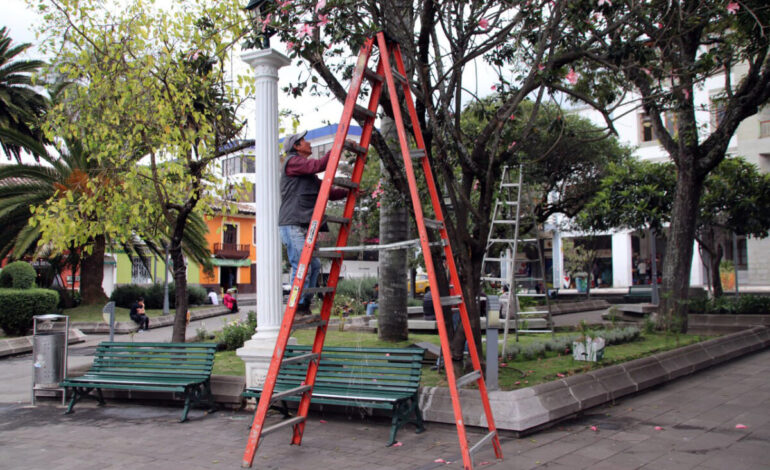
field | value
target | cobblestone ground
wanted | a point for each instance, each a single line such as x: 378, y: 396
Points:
x: 689, y: 423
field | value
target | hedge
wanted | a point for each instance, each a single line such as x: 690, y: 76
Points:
x: 18, y: 275
x: 18, y: 306
x: 125, y: 295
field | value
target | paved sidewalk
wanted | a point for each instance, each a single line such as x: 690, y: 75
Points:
x: 697, y: 414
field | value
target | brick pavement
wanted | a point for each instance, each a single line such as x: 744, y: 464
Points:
x: 697, y: 415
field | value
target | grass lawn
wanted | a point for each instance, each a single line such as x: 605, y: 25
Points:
x: 93, y: 313
x: 512, y: 375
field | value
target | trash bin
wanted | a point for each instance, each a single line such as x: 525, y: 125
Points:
x: 581, y: 282
x: 49, y: 357
x: 49, y: 353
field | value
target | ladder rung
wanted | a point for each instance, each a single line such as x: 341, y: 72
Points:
x: 535, y: 331
x: 468, y: 378
x: 345, y: 183
x: 434, y: 224
x: 497, y: 260
x: 282, y: 424
x: 397, y: 75
x: 372, y: 76
x: 289, y: 393
x: 327, y: 254
x: 318, y: 290
x: 507, y: 203
x: 336, y: 219
x: 528, y: 240
x: 509, y: 185
x: 484, y: 440
x: 415, y: 154
x: 493, y: 279
x: 503, y: 221
x: 501, y: 240
x: 361, y: 113
x: 451, y: 300
x: 354, y: 147
x: 300, y: 358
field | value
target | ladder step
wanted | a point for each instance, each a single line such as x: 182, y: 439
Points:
x: 336, y: 219
x: 493, y: 279
x: 361, y: 113
x: 451, y: 301
x: 507, y: 203
x: 497, y: 260
x: 373, y: 76
x: 416, y: 154
x: 484, y: 441
x: 289, y: 393
x: 397, y: 75
x: 501, y: 240
x: 535, y: 331
x: 468, y: 378
x: 318, y: 290
x: 504, y: 221
x: 434, y: 224
x: 300, y: 358
x: 282, y: 424
x: 345, y: 183
x: 353, y: 146
x: 509, y: 185
x: 327, y: 254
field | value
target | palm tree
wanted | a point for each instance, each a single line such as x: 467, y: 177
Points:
x: 21, y: 104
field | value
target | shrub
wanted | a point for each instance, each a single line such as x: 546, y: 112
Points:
x: 743, y: 305
x: 125, y: 295
x: 20, y: 305
x: 196, y: 295
x: 18, y: 275
x: 358, y: 289
x: 236, y: 332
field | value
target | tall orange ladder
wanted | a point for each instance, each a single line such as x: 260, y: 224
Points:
x: 393, y: 75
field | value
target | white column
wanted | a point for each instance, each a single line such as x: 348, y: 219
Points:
x: 622, y: 254
x: 557, y: 256
x: 697, y: 269
x: 258, y: 351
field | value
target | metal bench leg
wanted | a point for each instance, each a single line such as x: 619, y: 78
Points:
x: 187, y: 403
x: 75, y: 398
x: 100, y: 397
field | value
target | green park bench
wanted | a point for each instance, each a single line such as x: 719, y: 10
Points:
x: 381, y: 378
x: 183, y: 368
x: 640, y: 293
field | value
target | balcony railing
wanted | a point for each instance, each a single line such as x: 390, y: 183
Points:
x: 231, y: 250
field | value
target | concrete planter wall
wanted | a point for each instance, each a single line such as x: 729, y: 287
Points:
x: 718, y: 324
x: 528, y: 409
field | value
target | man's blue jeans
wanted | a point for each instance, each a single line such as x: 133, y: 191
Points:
x: 293, y: 237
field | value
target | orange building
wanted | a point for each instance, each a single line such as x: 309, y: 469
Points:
x: 231, y: 240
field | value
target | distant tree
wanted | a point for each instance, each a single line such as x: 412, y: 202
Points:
x: 22, y: 105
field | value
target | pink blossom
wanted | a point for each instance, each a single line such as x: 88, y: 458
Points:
x: 304, y: 30
x: 686, y: 93
x: 605, y: 2
x: 647, y: 71
x: 560, y: 375
x: 266, y: 22
x: 378, y: 203
x: 512, y: 117
x: 290, y: 45
x: 493, y: 87
x: 484, y: 24
x: 572, y: 76
x: 284, y: 5
x: 323, y: 19
x: 518, y: 382
x: 320, y: 4
x: 594, y: 429
x: 733, y: 7
x: 512, y: 145
x: 540, y: 67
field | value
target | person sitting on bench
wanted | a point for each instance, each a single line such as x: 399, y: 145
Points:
x: 230, y: 301
x: 138, y: 314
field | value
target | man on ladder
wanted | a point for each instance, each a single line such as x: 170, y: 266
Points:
x: 299, y: 191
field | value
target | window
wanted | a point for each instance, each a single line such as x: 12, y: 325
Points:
x: 717, y: 110
x: 230, y: 235
x: 139, y: 272
x: 255, y: 235
x: 646, y: 133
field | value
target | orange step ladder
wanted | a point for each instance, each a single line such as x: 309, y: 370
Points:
x: 393, y: 75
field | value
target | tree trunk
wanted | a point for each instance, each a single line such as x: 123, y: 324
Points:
x: 92, y: 274
x: 392, y: 316
x: 679, y: 248
x: 180, y: 293
x: 716, y: 280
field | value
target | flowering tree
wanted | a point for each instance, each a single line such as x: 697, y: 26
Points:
x: 518, y: 42
x: 663, y: 52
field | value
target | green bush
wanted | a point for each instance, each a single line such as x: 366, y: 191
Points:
x: 235, y: 333
x: 18, y: 306
x: 18, y: 275
x: 358, y: 289
x: 743, y: 305
x: 125, y: 295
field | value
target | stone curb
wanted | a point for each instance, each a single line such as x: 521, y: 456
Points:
x: 126, y: 327
x: 23, y: 344
x: 717, y: 324
x: 532, y: 408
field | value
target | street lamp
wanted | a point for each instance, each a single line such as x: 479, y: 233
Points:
x: 262, y: 32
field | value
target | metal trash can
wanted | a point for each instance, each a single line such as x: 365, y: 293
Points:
x: 49, y: 353
x: 49, y: 357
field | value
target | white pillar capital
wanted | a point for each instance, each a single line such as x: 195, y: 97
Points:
x: 258, y: 351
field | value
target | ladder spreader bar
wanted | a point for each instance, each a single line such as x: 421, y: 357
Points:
x: 300, y: 358
x: 345, y: 183
x: 319, y: 290
x: 451, y: 301
x: 361, y: 113
x: 290, y: 392
x: 468, y: 378
x: 282, y: 424
x: 484, y: 441
x: 373, y: 76
x: 353, y: 146
x: 336, y: 219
